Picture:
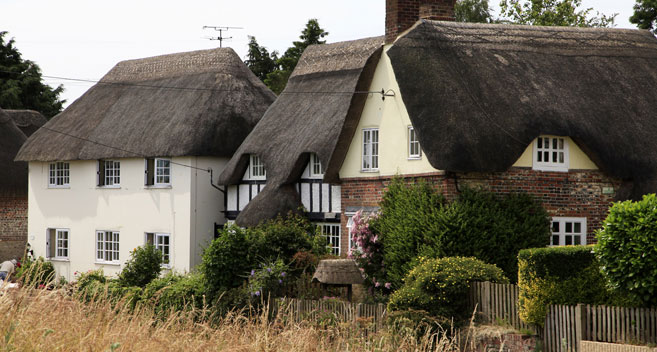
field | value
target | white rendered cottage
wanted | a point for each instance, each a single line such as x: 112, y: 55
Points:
x: 128, y: 162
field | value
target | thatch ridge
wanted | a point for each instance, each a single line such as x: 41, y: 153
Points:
x: 13, y: 175
x: 202, y: 103
x: 479, y: 94
x: 338, y: 272
x: 28, y: 121
x: 316, y: 110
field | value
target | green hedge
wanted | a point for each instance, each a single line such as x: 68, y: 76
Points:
x: 559, y: 275
x: 440, y: 286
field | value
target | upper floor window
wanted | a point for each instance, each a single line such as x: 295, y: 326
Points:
x: 162, y: 243
x: 109, y: 173
x: 107, y: 246
x: 57, y: 243
x: 370, y: 149
x: 315, y: 166
x: 256, y: 168
x: 58, y: 174
x: 551, y: 153
x: 414, y: 151
x: 158, y: 172
x: 568, y: 231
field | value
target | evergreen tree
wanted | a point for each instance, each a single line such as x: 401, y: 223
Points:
x: 259, y: 60
x: 645, y: 14
x: 21, y: 84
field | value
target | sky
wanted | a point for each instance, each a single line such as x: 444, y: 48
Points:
x: 83, y: 39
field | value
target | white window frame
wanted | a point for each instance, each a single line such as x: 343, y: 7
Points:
x: 551, y: 152
x: 107, y: 247
x: 332, y: 232
x: 59, y: 174
x: 563, y: 234
x: 157, y: 240
x: 109, y: 173
x: 370, y: 152
x: 157, y: 173
x: 414, y: 150
x: 257, y: 169
x: 59, y: 244
x: 315, y: 165
x: 350, y: 225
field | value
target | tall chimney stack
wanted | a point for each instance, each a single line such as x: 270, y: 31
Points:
x: 402, y: 14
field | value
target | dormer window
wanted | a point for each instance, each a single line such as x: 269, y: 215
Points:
x: 109, y: 173
x: 315, y: 166
x: 414, y: 151
x: 58, y: 175
x: 551, y: 153
x: 257, y: 168
x: 158, y: 172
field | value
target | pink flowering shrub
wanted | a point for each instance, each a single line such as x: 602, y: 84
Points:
x: 367, y: 251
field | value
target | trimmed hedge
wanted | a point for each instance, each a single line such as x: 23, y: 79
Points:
x: 559, y: 275
x: 440, y: 286
x: 627, y: 249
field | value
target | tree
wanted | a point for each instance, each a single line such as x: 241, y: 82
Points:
x: 472, y: 11
x: 259, y: 60
x: 553, y: 13
x: 645, y: 14
x: 310, y: 35
x: 21, y: 84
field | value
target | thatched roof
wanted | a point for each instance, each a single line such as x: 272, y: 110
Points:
x: 318, y: 113
x: 27, y: 120
x: 200, y: 103
x: 479, y: 94
x: 338, y: 272
x: 13, y: 175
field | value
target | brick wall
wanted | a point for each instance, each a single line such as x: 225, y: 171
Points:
x: 402, y: 14
x: 13, y: 226
x: 578, y: 193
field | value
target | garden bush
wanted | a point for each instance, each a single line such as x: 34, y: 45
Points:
x: 627, y: 249
x: 440, y: 286
x: 35, y: 272
x: 144, y: 265
x: 559, y: 275
x: 416, y: 222
x: 176, y: 292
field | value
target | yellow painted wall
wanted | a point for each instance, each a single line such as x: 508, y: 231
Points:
x: 391, y: 118
x: 577, y: 159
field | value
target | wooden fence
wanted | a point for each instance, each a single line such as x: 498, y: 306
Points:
x: 329, y: 309
x: 497, y: 303
x: 566, y: 326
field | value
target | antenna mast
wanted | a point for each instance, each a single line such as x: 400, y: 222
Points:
x: 221, y: 30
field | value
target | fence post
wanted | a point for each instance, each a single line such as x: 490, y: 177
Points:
x: 580, y: 325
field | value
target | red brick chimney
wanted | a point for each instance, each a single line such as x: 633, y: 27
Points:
x: 402, y: 14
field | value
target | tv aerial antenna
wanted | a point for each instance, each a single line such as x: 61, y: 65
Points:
x: 221, y: 30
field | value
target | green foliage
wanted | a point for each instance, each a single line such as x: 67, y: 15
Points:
x: 440, y: 286
x: 475, y: 11
x: 143, y: 266
x: 559, y: 275
x: 35, y: 272
x: 269, y: 280
x: 176, y: 292
x: 645, y: 14
x: 21, y: 84
x: 259, y: 61
x: 627, y: 249
x: 416, y: 221
x: 229, y: 258
x: 553, y: 13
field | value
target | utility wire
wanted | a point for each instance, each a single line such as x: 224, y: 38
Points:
x: 117, y: 148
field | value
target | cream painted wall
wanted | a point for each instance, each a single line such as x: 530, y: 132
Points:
x: 578, y: 160
x: 186, y: 211
x: 391, y: 117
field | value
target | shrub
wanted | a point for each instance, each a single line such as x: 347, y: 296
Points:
x: 143, y: 266
x: 416, y: 222
x: 627, y: 249
x: 35, y: 272
x: 229, y: 258
x: 558, y: 275
x: 268, y: 280
x: 368, y: 253
x: 175, y: 292
x: 440, y: 286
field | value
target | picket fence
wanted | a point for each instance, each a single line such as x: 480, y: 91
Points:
x: 497, y: 303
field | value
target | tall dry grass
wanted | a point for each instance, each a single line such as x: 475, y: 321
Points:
x: 42, y: 320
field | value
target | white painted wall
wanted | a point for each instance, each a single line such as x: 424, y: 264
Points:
x: 187, y: 211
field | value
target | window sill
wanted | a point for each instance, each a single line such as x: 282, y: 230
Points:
x: 157, y: 187
x: 108, y: 263
x: 59, y: 259
x: 108, y: 187
x: 414, y: 158
x: 370, y: 171
x: 548, y: 169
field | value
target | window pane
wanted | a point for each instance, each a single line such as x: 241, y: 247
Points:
x: 569, y: 227
x: 561, y: 158
x: 578, y: 240
x: 555, y: 226
x: 569, y: 240
x: 578, y: 227
x: 555, y: 240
